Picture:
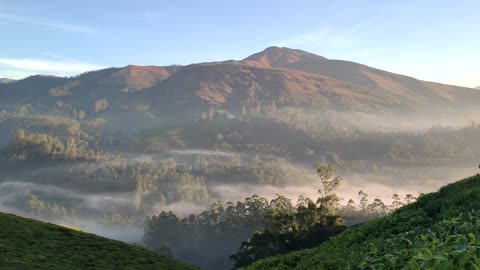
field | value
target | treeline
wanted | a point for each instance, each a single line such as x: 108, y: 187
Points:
x: 155, y: 183
x: 36, y: 146
x: 43, y: 210
x: 308, y: 136
x: 272, y: 227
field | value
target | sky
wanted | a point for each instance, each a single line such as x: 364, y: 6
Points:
x: 430, y: 40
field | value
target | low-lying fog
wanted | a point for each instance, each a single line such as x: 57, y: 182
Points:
x: 90, y: 206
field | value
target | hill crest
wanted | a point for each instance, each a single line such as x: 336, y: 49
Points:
x: 295, y: 77
x: 32, y: 244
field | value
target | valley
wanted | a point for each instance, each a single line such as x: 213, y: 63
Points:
x: 191, y: 161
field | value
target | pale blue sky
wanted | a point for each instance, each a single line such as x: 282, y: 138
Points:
x: 431, y: 40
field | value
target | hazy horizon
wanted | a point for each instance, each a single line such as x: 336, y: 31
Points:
x: 156, y: 34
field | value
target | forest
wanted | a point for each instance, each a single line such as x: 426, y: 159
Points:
x: 219, y: 191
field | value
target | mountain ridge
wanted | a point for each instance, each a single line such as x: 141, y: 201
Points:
x: 295, y: 77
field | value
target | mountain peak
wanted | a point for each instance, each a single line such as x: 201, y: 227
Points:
x: 280, y: 57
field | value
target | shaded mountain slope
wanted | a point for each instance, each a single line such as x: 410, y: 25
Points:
x: 31, y: 244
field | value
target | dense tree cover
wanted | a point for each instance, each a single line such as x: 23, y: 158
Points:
x: 342, y: 141
x: 288, y: 228
x: 272, y: 227
x: 439, y: 231
x: 300, y: 134
x: 77, y: 148
x: 207, y: 239
x: 254, y: 170
x: 34, y: 146
x: 365, y: 210
x: 31, y: 244
x: 307, y: 224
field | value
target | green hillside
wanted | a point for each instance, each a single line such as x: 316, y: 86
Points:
x: 31, y: 244
x: 440, y: 231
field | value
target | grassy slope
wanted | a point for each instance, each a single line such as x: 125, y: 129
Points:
x: 31, y: 244
x: 440, y: 231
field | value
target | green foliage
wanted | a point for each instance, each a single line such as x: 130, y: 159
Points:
x: 207, y: 239
x: 233, y: 169
x: 43, y: 146
x: 450, y: 244
x: 439, y: 231
x: 289, y: 228
x: 30, y: 244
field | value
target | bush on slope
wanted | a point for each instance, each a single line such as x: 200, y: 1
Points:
x: 440, y: 231
x: 31, y: 244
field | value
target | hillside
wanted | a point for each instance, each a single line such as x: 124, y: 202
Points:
x: 6, y: 80
x: 282, y: 75
x: 31, y: 244
x: 440, y: 231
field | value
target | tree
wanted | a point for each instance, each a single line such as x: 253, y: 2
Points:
x: 101, y: 104
x: 288, y: 229
x: 81, y: 115
x: 20, y: 135
x: 396, y: 202
x: 409, y: 198
x: 363, y: 198
x: 36, y: 205
x: 328, y: 199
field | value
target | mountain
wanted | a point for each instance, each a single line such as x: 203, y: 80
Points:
x: 392, y: 87
x: 478, y: 87
x: 286, y: 76
x: 440, y: 229
x: 5, y: 80
x: 31, y: 244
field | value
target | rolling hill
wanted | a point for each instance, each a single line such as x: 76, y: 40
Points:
x: 31, y: 244
x: 286, y: 76
x: 439, y: 231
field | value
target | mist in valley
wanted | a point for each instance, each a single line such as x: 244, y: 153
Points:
x: 201, y: 174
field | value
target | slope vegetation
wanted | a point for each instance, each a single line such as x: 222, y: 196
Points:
x: 31, y: 244
x: 440, y: 231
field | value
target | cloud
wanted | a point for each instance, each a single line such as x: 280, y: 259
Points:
x: 359, y: 26
x: 5, y: 18
x: 35, y: 66
x: 331, y: 38
x: 155, y: 16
